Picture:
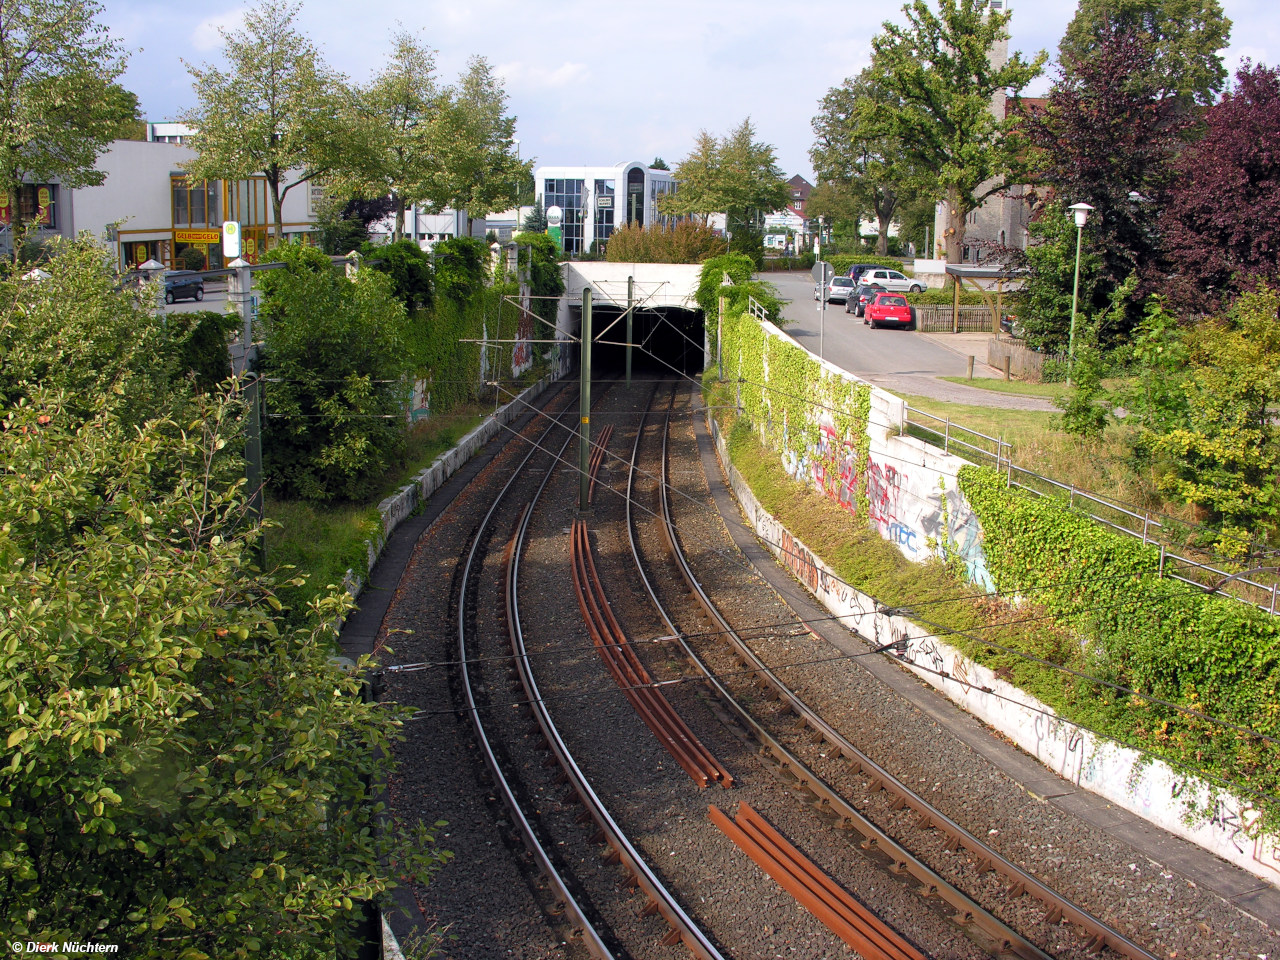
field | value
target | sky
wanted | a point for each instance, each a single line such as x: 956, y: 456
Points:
x: 598, y: 83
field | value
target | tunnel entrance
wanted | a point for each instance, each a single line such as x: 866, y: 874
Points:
x: 666, y: 340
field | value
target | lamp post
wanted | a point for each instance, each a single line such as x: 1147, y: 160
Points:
x: 1081, y: 213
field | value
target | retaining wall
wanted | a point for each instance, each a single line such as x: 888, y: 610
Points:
x: 1131, y: 780
x: 404, y: 501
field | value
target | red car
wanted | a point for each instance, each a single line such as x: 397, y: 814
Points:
x: 890, y: 310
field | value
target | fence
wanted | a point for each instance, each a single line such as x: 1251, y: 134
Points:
x: 936, y: 318
x: 1187, y: 563
x: 1024, y: 363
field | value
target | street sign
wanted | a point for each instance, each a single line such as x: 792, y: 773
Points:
x: 823, y: 272
x: 230, y: 239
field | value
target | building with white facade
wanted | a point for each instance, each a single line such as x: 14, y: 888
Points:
x: 149, y: 209
x: 595, y: 201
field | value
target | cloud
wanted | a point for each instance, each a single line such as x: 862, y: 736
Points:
x: 535, y: 75
x: 207, y: 34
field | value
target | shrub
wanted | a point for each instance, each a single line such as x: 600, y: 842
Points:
x: 687, y: 241
x: 461, y: 265
x: 741, y: 271
x: 335, y: 365
x: 408, y: 266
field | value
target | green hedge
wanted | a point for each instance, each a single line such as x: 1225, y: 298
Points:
x: 1205, y: 653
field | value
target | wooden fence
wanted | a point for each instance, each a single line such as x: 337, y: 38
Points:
x: 1024, y: 363
x: 936, y: 318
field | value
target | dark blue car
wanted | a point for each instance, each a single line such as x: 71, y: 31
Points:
x: 183, y: 285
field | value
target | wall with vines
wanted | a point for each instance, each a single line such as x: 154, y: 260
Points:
x: 1186, y: 675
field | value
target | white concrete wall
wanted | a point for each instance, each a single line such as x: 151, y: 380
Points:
x: 136, y: 191
x: 656, y: 284
x: 1148, y: 788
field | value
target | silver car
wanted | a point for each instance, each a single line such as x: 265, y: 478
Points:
x: 838, y: 289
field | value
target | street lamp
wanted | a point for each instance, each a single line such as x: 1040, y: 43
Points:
x: 1081, y: 212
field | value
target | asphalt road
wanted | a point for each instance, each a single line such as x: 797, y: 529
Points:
x: 901, y: 361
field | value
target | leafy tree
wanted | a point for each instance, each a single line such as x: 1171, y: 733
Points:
x: 1103, y: 140
x: 279, y: 112
x: 107, y: 348
x: 737, y: 175
x: 659, y: 164
x: 461, y: 264
x: 1051, y: 258
x: 186, y: 776
x: 868, y: 165
x: 940, y: 85
x: 406, y: 116
x: 480, y: 168
x: 336, y: 371
x: 1225, y: 452
x: 1222, y: 222
x: 59, y: 103
x: 1183, y: 38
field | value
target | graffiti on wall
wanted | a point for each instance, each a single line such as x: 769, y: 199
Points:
x: 522, y: 350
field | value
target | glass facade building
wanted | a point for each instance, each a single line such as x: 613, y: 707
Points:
x: 596, y: 201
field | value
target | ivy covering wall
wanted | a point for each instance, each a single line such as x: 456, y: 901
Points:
x: 1204, y: 655
x: 813, y: 417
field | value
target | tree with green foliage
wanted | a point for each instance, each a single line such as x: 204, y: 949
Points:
x: 480, y: 167
x: 659, y: 164
x: 1224, y: 451
x: 279, y: 111
x: 736, y: 175
x: 405, y: 129
x: 535, y: 220
x: 336, y: 377
x: 1051, y: 261
x: 187, y: 776
x: 870, y: 166
x: 940, y: 90
x: 1183, y: 39
x: 59, y: 103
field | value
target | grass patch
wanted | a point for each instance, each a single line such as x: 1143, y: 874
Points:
x: 322, y: 541
x: 1104, y: 466
x: 1021, y: 388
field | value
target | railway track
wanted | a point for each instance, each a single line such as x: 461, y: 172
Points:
x: 993, y: 935
x: 631, y: 863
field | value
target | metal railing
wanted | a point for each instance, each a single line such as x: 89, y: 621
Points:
x: 1177, y: 561
x: 756, y: 309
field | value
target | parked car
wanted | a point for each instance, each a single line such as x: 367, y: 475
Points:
x: 838, y: 290
x: 890, y: 310
x: 892, y: 280
x: 858, y: 300
x: 183, y: 285
x: 858, y: 269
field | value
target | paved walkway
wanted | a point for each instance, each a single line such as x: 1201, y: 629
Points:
x: 965, y: 345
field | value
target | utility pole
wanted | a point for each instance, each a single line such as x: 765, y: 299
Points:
x: 240, y: 297
x: 584, y: 426
x: 631, y: 300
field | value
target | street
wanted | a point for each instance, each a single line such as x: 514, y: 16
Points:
x: 901, y: 361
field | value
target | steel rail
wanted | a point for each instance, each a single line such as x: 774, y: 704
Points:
x: 661, y: 900
x: 844, y: 915
x: 1018, y: 880
x: 582, y: 925
x: 984, y: 929
x: 630, y: 673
